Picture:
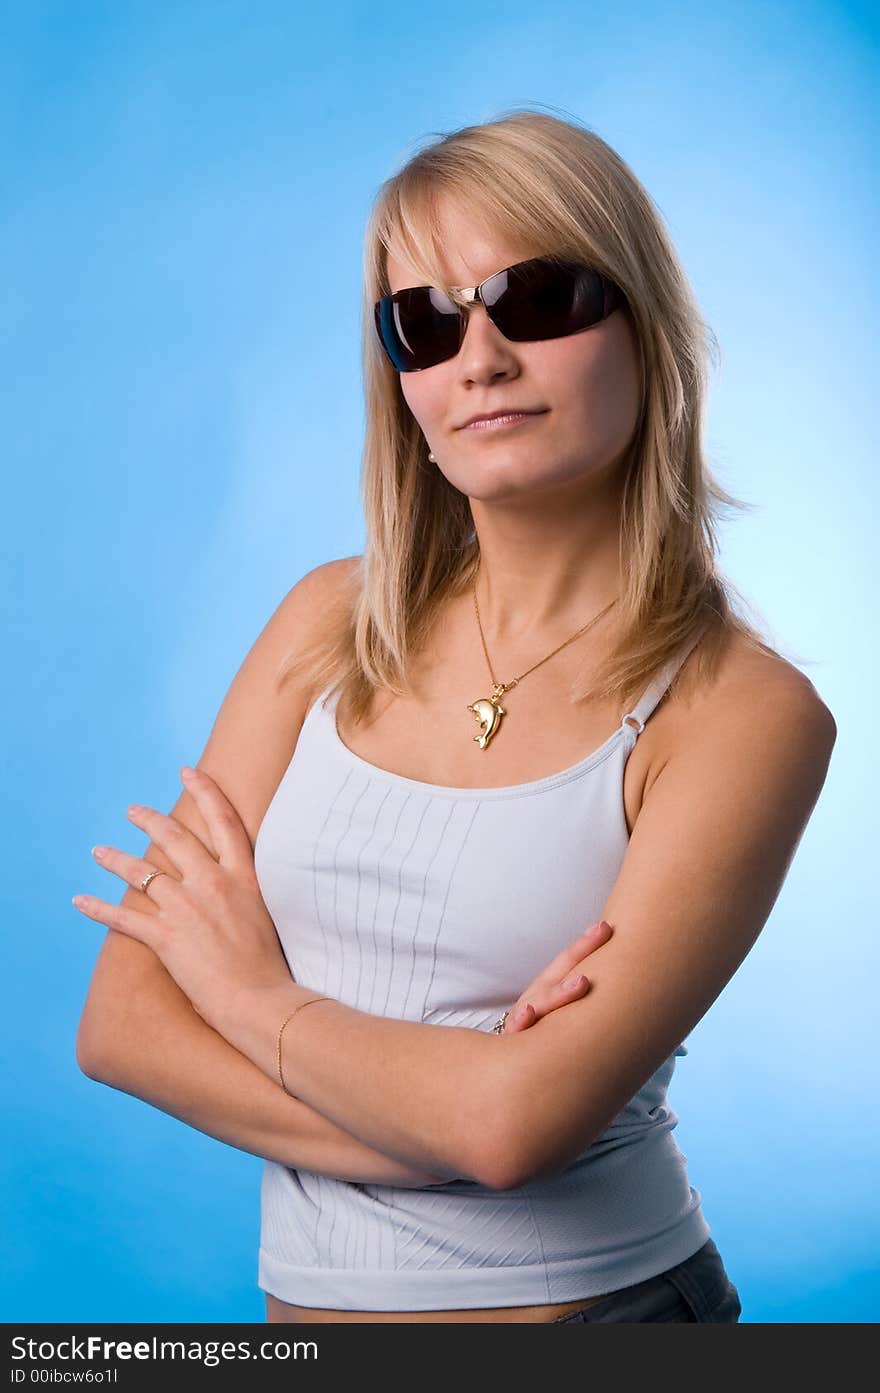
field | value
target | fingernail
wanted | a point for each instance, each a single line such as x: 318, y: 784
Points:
x: 573, y: 981
x: 99, y: 851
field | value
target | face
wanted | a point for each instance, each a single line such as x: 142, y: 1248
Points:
x: 585, y: 386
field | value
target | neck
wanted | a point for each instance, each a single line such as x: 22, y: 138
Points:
x: 546, y: 572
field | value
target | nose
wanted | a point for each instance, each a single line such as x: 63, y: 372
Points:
x: 485, y: 353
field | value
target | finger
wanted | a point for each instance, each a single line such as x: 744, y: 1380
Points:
x: 117, y: 916
x: 520, y: 1017
x: 568, y: 957
x: 586, y: 942
x: 228, y: 832
x: 187, y: 853
x: 526, y: 1013
x: 131, y: 869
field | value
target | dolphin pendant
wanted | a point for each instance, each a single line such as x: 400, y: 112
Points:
x: 488, y: 712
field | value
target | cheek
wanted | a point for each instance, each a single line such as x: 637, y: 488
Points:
x: 574, y: 366
x: 425, y: 395
x: 594, y: 378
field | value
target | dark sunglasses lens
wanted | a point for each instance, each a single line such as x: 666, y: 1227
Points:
x: 418, y: 327
x: 547, y: 300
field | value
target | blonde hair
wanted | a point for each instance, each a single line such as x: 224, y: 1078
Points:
x: 547, y: 185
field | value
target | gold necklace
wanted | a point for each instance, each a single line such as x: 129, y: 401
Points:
x: 488, y: 710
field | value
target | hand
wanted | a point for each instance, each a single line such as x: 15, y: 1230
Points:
x: 552, y: 987
x: 212, y: 932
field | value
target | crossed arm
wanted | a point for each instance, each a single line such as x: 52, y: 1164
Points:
x: 708, y: 855
x: 141, y: 1035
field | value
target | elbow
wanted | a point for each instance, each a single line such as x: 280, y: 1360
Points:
x: 479, y: 1160
x: 86, y: 1062
x: 527, y: 1144
x: 503, y: 1176
x: 509, y: 1168
x: 89, y: 1057
x: 504, y: 1167
x: 502, y: 1162
x: 88, y: 1066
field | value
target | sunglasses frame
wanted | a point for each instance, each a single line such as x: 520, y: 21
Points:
x: 473, y: 294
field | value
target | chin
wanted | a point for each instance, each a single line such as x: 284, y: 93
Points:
x: 505, y: 476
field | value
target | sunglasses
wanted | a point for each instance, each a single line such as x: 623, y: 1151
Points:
x: 543, y: 298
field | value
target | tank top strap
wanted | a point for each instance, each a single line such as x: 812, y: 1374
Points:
x: 657, y: 687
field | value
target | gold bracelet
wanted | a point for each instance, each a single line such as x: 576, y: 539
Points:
x: 310, y: 1002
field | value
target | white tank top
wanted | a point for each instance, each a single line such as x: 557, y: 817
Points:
x: 439, y: 904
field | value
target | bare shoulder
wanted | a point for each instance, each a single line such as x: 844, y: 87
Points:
x: 257, y: 701
x: 325, y: 584
x: 758, y: 676
x: 255, y: 729
x: 257, y: 724
x: 755, y: 699
x: 330, y: 579
x: 298, y: 617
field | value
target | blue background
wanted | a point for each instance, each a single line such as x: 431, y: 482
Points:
x: 184, y: 191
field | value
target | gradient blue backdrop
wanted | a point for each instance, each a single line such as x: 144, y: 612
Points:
x: 184, y: 190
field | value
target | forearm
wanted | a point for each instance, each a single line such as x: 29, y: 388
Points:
x: 433, y: 1096
x: 155, y: 1046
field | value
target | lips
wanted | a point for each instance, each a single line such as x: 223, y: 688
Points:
x: 510, y: 414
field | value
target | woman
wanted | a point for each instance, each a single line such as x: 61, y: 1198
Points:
x: 530, y: 707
